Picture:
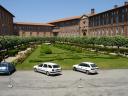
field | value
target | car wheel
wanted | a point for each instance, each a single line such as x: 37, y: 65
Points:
x: 35, y: 69
x: 47, y: 73
x: 74, y: 69
x: 87, y: 72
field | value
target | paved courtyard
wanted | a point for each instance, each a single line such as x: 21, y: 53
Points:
x: 70, y: 83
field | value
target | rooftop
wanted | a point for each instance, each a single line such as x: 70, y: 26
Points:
x: 31, y: 23
x: 65, y: 19
x: 118, y: 7
x: 50, y: 63
x: 6, y: 10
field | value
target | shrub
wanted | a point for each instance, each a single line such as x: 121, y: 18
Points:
x: 22, y: 58
x: 45, y: 49
x: 12, y: 52
x: 23, y: 47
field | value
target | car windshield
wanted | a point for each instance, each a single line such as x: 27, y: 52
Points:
x: 93, y: 65
x: 56, y: 66
x: 3, y: 65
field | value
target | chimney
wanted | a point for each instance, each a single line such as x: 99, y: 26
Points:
x: 92, y: 11
x: 126, y: 3
x: 115, y: 6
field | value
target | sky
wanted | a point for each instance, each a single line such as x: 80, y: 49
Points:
x: 44, y: 11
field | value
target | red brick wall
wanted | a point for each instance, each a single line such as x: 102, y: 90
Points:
x: 32, y: 30
x: 108, y: 24
x: 6, y: 22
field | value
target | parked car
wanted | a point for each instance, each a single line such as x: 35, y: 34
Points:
x: 86, y: 67
x: 48, y: 68
x: 7, y: 68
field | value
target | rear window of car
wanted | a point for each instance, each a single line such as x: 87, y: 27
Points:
x: 56, y: 66
x: 3, y: 65
x: 93, y: 65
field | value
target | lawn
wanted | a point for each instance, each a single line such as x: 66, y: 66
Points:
x: 67, y: 58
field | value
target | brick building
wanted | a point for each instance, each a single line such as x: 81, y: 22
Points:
x: 109, y: 23
x: 66, y: 27
x: 84, y: 25
x: 6, y: 22
x: 33, y: 29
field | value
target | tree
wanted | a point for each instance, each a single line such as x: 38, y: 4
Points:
x: 119, y: 41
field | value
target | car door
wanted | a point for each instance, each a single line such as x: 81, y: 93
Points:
x: 40, y: 68
x: 44, y: 68
x: 80, y: 66
x: 83, y: 68
x: 87, y: 67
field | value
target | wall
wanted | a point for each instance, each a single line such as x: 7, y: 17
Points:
x: 6, y: 22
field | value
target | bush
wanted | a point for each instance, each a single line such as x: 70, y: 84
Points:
x: 23, y: 47
x: 22, y: 58
x: 12, y: 52
x: 45, y: 49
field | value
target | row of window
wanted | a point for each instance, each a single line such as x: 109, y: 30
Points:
x: 36, y: 28
x: 109, y: 32
x: 35, y: 34
x: 116, y: 16
x: 68, y: 23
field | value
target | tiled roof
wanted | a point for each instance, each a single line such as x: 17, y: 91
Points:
x: 108, y: 10
x: 6, y: 10
x: 30, y: 23
x: 65, y: 19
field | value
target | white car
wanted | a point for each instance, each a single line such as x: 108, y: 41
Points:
x: 48, y: 68
x: 86, y: 67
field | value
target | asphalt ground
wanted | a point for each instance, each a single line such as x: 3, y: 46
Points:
x: 70, y: 83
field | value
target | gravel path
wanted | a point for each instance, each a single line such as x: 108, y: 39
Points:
x: 70, y: 83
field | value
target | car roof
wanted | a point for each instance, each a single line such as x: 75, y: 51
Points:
x: 88, y: 62
x: 5, y: 63
x: 49, y: 63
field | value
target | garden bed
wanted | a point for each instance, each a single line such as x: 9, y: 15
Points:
x: 66, y: 58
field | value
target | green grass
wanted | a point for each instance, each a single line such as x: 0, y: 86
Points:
x: 67, y: 58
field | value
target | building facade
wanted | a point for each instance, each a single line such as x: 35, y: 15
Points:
x: 67, y: 27
x: 84, y: 25
x: 109, y: 23
x: 6, y: 22
x: 33, y: 29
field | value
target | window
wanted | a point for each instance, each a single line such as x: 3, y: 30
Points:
x: 84, y: 22
x: 122, y: 30
x: 56, y: 66
x: 93, y: 65
x: 111, y: 30
x: 49, y: 66
x: 45, y: 65
x: 117, y: 31
x: 86, y: 65
x: 40, y: 65
x: 117, y: 19
x: 81, y: 64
